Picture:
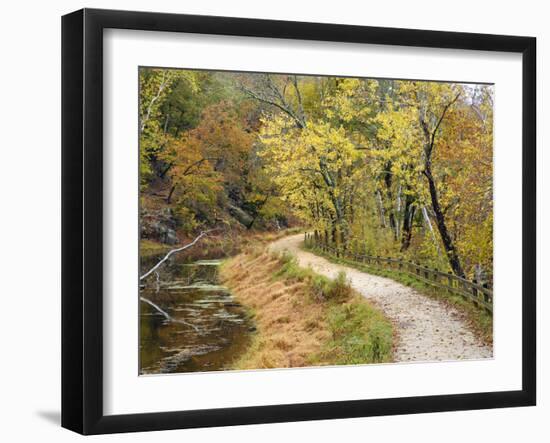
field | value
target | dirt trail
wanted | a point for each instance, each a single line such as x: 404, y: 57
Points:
x: 428, y: 330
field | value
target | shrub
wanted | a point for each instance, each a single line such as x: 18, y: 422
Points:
x: 290, y: 270
x: 323, y: 288
x: 339, y: 289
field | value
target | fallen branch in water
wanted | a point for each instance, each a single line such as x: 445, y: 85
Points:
x: 166, y: 315
x: 173, y: 251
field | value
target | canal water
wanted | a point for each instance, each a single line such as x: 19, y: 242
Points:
x: 188, y: 321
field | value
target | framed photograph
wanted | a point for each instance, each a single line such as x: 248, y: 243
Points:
x: 269, y: 221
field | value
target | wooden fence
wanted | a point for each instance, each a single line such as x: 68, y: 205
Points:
x: 480, y: 294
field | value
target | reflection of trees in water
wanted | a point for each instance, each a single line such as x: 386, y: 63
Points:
x: 219, y: 326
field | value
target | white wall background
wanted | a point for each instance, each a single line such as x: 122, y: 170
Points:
x: 30, y: 219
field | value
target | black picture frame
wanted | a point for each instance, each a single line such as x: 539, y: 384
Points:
x: 82, y: 219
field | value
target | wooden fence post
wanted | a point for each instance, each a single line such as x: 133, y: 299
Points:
x: 487, y: 299
x: 475, y: 293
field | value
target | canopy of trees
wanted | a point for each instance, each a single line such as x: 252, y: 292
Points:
x: 383, y: 167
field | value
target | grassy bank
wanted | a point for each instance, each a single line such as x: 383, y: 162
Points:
x: 478, y: 320
x: 304, y: 319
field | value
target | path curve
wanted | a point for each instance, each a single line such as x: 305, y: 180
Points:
x: 428, y: 330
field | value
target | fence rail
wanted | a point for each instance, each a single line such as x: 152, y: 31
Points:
x: 480, y: 294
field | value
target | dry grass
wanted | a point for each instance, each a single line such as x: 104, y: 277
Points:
x: 290, y: 326
x: 297, y: 313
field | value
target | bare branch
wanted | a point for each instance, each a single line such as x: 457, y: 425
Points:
x: 162, y: 85
x: 299, y: 95
x: 197, y: 163
x: 173, y: 251
x: 445, y: 109
x: 274, y: 97
x: 166, y: 315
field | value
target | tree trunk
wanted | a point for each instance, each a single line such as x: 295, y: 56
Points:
x: 334, y: 238
x: 406, y: 232
x: 391, y: 216
x: 165, y: 170
x: 450, y: 250
x: 381, y: 209
x: 428, y: 224
x: 169, y: 198
x: 430, y: 135
x: 398, y: 213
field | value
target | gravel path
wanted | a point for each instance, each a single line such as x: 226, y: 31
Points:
x: 427, y: 329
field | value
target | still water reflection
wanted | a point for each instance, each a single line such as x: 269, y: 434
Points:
x: 188, y: 322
